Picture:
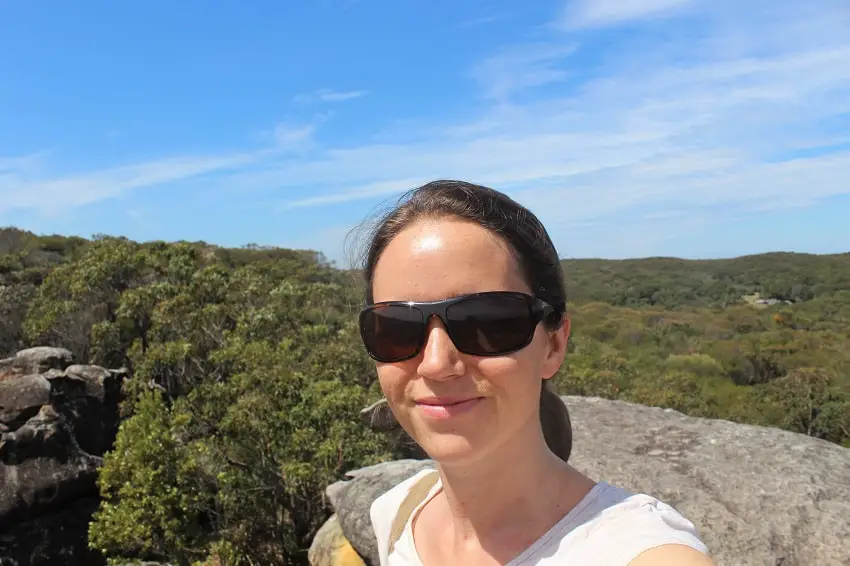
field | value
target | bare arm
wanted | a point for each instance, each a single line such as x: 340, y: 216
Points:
x: 672, y: 555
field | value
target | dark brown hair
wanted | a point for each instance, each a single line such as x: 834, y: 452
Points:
x: 530, y: 243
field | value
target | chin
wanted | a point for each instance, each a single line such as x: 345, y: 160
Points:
x: 452, y: 451
x: 451, y: 447
x: 449, y: 440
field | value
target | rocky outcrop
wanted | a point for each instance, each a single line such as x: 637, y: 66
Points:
x: 56, y: 420
x: 350, y: 498
x: 759, y: 496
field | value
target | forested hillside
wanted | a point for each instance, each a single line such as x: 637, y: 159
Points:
x: 674, y: 283
x: 248, y: 374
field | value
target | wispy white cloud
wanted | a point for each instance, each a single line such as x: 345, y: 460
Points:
x: 287, y: 136
x: 734, y: 116
x: 589, y: 13
x: 327, y: 95
x: 689, y: 127
x: 361, y: 192
x: 521, y: 67
x: 483, y: 20
x: 331, y: 96
x: 25, y: 183
x: 21, y: 164
x: 19, y: 190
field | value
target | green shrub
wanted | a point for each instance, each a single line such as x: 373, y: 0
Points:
x: 701, y: 365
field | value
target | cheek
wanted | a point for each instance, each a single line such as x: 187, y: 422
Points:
x: 521, y: 366
x: 393, y: 379
x: 512, y: 375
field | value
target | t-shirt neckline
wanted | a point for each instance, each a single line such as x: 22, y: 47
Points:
x: 594, y: 492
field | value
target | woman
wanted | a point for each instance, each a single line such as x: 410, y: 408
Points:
x: 466, y: 319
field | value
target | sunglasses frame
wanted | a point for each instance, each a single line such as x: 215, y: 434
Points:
x: 538, y: 309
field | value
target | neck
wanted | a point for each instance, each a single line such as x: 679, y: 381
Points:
x: 522, y: 487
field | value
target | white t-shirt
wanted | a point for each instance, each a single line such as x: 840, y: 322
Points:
x: 609, y: 527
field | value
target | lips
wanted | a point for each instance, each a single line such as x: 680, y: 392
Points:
x: 446, y: 407
x: 444, y: 401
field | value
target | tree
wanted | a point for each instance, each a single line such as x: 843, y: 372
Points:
x: 78, y: 295
x: 808, y: 400
x: 151, y: 504
x: 14, y: 300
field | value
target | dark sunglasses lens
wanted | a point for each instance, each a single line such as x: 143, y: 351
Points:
x: 391, y: 332
x: 491, y: 324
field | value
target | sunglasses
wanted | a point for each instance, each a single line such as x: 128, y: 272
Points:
x: 481, y: 324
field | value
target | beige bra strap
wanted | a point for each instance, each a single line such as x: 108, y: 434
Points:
x: 416, y: 495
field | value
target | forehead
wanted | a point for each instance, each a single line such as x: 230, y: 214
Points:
x: 437, y: 259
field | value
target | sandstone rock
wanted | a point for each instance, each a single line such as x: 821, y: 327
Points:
x: 65, y: 386
x: 88, y: 397
x: 57, y: 538
x: 6, y: 363
x: 98, y: 380
x: 43, y: 358
x: 21, y: 398
x: 331, y: 548
x: 93, y: 424
x: 758, y: 496
x: 8, y: 369
x: 42, y: 468
x: 53, y: 426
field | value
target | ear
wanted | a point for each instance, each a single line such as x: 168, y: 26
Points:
x: 557, y: 342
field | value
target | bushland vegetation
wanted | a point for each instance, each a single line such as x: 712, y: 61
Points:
x: 247, y: 374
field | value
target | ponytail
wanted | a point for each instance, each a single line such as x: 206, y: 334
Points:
x: 555, y: 420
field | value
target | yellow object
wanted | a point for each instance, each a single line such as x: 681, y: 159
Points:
x: 331, y: 548
x: 347, y: 556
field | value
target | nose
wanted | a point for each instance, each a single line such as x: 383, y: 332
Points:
x: 440, y: 358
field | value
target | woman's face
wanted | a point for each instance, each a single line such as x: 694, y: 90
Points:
x: 439, y: 259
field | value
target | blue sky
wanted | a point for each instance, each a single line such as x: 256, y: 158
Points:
x: 691, y: 128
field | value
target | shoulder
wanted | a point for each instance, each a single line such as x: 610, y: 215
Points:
x: 660, y: 535
x: 644, y: 513
x: 672, y: 555
x: 383, y: 510
x: 641, y: 530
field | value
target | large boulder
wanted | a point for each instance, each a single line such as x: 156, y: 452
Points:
x: 96, y: 378
x: 56, y: 420
x: 758, y: 496
x: 21, y: 398
x: 42, y: 469
x: 42, y: 358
